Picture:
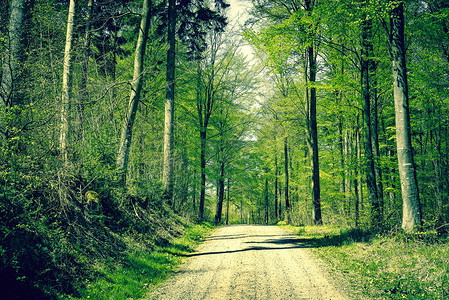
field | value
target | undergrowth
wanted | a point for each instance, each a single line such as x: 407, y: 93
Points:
x: 383, y: 266
x: 50, y: 248
x: 141, y: 269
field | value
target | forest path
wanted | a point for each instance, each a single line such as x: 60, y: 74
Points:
x: 249, y: 262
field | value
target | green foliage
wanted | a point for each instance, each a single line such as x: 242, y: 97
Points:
x: 392, y: 266
x: 48, y: 247
x: 51, y: 245
x: 141, y: 270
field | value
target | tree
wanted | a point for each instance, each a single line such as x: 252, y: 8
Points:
x: 169, y: 103
x: 10, y: 68
x: 311, y: 110
x: 291, y: 33
x: 367, y: 72
x: 67, y: 85
x: 411, y: 210
x: 196, y: 20
x: 136, y: 86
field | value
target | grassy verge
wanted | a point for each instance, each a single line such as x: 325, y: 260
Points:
x: 392, y: 266
x: 139, y: 270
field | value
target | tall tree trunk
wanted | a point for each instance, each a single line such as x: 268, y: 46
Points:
x: 203, y: 139
x: 167, y: 177
x: 136, y: 86
x: 286, y: 187
x: 276, y: 174
x: 358, y: 194
x: 10, y: 68
x: 311, y: 126
x: 313, y: 141
x: 194, y: 192
x: 203, y: 120
x: 341, y: 149
x: 205, y: 107
x: 280, y: 202
x: 365, y: 64
x: 227, y: 201
x: 266, y: 201
x: 221, y: 188
x: 67, y: 85
x: 411, y: 210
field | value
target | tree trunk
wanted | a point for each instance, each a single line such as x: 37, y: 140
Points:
x: 136, y: 86
x: 276, y: 174
x: 203, y: 137
x: 194, y: 192
x: 227, y: 201
x: 376, y: 148
x: 67, y: 85
x: 358, y: 194
x: 341, y: 148
x: 365, y: 66
x: 167, y: 177
x: 311, y: 122
x: 10, y: 68
x: 221, y: 188
x: 266, y: 202
x: 205, y: 106
x: 411, y: 210
x: 286, y: 187
x: 280, y: 202
x: 313, y: 141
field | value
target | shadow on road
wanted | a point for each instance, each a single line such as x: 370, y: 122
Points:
x: 237, y: 236
x: 282, y: 243
x: 253, y: 248
x: 260, y: 242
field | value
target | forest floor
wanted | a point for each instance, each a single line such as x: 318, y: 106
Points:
x: 251, y: 262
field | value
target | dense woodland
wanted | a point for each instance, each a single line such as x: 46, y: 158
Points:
x: 119, y: 118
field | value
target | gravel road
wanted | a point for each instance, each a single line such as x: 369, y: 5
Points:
x: 249, y: 262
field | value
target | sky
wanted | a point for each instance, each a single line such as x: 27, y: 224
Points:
x: 238, y: 11
x: 238, y: 14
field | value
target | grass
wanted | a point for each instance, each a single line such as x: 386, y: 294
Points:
x: 387, y: 266
x: 140, y: 269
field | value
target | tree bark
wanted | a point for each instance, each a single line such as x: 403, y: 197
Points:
x: 286, y: 187
x: 266, y: 201
x: 167, y: 177
x: 311, y: 126
x: 227, y: 201
x: 341, y: 147
x: 358, y: 194
x: 276, y: 174
x: 411, y: 210
x: 136, y: 86
x: 67, y: 85
x: 365, y: 67
x: 312, y: 139
x: 221, y: 188
x: 10, y: 68
x: 205, y: 107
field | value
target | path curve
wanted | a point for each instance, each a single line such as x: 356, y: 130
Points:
x: 249, y: 262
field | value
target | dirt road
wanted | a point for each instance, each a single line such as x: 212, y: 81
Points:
x: 249, y: 262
